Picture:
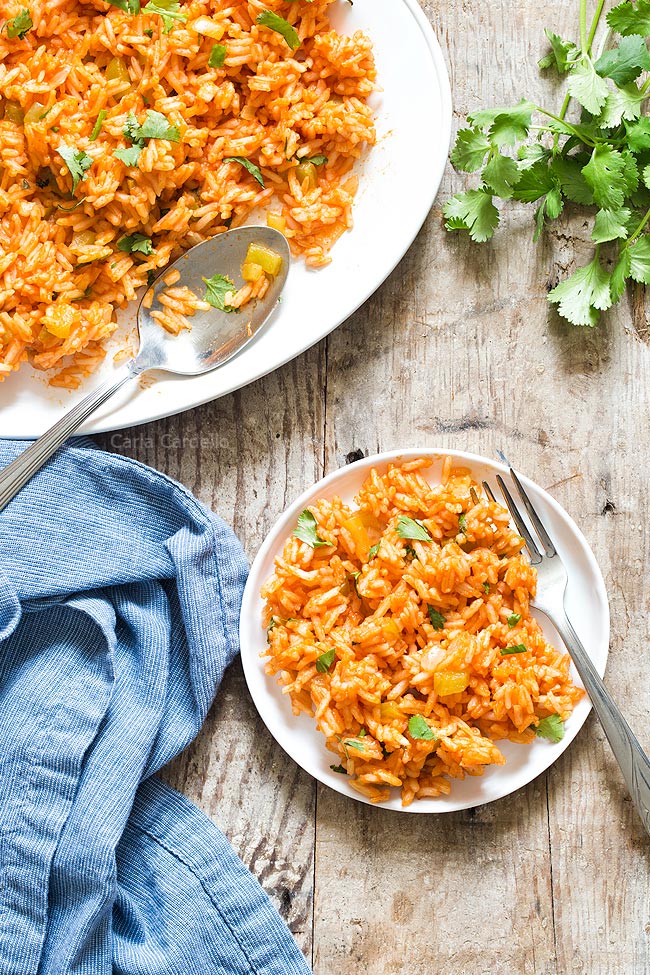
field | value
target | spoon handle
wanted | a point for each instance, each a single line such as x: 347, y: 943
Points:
x: 21, y: 470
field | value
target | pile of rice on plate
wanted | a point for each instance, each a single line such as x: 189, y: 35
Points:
x: 117, y: 122
x: 408, y: 633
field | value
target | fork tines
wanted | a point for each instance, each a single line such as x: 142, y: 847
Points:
x: 518, y: 518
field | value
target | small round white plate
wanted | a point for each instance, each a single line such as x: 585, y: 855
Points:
x: 586, y: 604
x: 398, y: 181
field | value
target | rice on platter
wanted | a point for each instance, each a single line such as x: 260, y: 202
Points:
x: 403, y: 626
x: 132, y: 130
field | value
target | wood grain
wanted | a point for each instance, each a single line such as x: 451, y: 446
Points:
x: 459, y: 348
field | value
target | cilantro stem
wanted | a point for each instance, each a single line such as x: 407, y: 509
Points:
x: 638, y: 230
x: 558, y: 118
x: 563, y: 111
x: 583, y: 26
x: 594, y: 23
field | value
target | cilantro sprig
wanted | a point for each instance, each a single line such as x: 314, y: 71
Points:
x: 531, y: 154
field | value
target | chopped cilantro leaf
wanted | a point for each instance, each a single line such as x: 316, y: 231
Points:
x: 128, y: 156
x: 437, y: 619
x: 517, y: 648
x: 217, y: 56
x: 325, y: 661
x: 216, y: 289
x: 513, y: 619
x: 551, y: 728
x: 419, y: 728
x: 267, y: 18
x: 135, y: 243
x: 307, y: 530
x: 373, y: 551
x: 318, y: 160
x: 128, y: 6
x: 20, y: 25
x: 339, y: 769
x: 486, y: 588
x: 169, y: 10
x: 156, y: 126
x: 462, y: 522
x: 77, y: 162
x: 412, y: 528
x: 247, y: 164
x: 355, y: 744
x: 132, y: 128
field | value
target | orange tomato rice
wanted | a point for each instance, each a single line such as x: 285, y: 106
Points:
x: 62, y: 275
x: 373, y: 629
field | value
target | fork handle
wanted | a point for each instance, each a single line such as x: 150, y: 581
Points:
x: 21, y: 470
x: 633, y: 761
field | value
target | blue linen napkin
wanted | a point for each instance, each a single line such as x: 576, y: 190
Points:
x: 119, y: 603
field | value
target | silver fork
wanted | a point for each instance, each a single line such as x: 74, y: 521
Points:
x: 551, y: 589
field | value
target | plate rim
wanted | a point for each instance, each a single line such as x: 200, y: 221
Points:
x: 251, y: 662
x: 105, y: 424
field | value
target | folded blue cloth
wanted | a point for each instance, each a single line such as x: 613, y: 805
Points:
x: 119, y: 603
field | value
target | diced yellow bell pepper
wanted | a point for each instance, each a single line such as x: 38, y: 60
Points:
x: 14, y: 113
x: 59, y: 320
x: 207, y: 27
x: 34, y: 113
x: 447, y: 682
x: 389, y: 711
x: 47, y: 340
x: 251, y: 272
x: 81, y: 240
x: 391, y: 628
x: 359, y: 533
x: 116, y: 70
x: 307, y: 171
x: 267, y: 259
x: 358, y: 526
x: 276, y: 221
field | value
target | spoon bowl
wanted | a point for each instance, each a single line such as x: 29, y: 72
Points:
x: 214, y: 337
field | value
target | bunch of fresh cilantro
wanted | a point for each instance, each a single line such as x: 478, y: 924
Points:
x: 601, y: 161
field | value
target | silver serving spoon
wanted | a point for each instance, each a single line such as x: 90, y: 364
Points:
x: 215, y: 337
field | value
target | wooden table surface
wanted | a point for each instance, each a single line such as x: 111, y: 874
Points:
x: 458, y: 349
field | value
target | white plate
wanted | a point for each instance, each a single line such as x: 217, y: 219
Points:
x: 399, y: 179
x: 586, y: 604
